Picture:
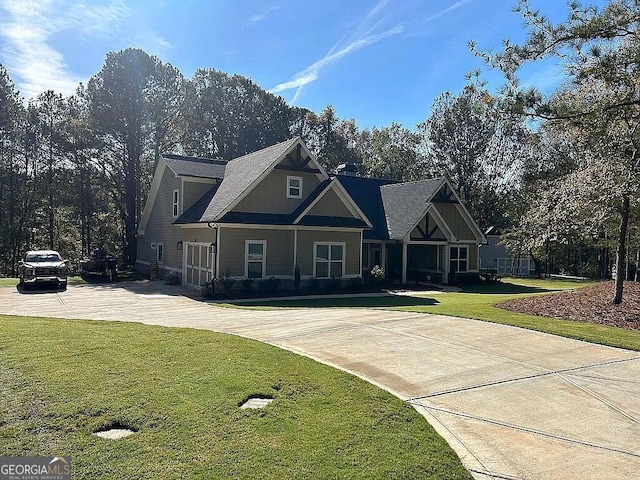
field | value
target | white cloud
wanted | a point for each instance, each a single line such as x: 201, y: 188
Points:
x: 29, y: 58
x: 451, y: 8
x: 311, y: 73
x: 361, y: 37
x: 261, y: 16
x: 27, y: 28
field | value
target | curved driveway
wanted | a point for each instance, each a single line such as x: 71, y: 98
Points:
x: 513, y: 403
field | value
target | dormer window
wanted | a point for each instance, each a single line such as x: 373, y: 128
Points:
x: 176, y: 203
x: 294, y: 187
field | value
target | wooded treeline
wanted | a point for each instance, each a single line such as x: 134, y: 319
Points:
x: 75, y: 171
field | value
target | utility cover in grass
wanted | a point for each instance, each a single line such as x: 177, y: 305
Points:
x: 115, y: 433
x: 256, y: 402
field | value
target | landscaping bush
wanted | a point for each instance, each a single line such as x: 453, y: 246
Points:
x: 296, y: 278
x: 226, y: 281
x: 247, y: 286
x: 173, y: 278
x: 333, y: 284
x: 269, y: 286
x: 471, y: 278
x: 356, y: 284
x: 313, y: 285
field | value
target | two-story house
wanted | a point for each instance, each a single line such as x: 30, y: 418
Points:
x: 264, y: 214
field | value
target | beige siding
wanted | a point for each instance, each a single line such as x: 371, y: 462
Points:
x: 193, y: 191
x: 473, y: 256
x: 330, y: 205
x: 455, y: 221
x: 279, y: 250
x: 427, y: 224
x: 306, y: 238
x: 270, y: 196
x: 160, y: 228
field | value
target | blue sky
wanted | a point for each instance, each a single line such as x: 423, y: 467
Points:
x: 376, y: 61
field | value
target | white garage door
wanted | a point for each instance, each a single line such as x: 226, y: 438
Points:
x: 198, y: 264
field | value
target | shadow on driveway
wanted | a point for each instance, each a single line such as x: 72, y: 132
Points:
x: 378, y: 301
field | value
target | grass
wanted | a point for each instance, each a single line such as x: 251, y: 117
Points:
x: 125, y: 275
x: 479, y: 302
x: 61, y: 380
x: 12, y: 282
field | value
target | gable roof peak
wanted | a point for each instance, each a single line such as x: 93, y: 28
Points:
x: 243, y: 173
x: 272, y: 148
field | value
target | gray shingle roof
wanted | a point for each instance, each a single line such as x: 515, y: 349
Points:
x: 393, y: 208
x: 240, y: 174
x: 366, y: 193
x: 405, y: 203
x: 195, y: 212
x: 195, y: 166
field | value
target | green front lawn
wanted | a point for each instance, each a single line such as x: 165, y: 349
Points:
x: 12, y: 282
x: 61, y: 380
x: 478, y: 302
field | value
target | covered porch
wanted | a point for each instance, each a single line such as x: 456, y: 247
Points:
x: 417, y: 262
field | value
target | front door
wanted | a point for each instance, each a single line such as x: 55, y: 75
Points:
x: 198, y: 264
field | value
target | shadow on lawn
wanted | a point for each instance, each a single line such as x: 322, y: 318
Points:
x: 327, y: 302
x: 506, y: 288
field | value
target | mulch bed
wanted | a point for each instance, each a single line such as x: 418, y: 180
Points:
x: 591, y: 304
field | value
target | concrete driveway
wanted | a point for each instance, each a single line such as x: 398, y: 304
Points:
x: 513, y: 403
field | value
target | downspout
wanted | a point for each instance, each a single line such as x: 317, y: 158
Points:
x: 214, y: 248
x: 404, y: 260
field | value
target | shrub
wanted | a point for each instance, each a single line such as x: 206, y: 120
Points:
x: 470, y: 278
x: 173, y: 278
x: 333, y: 284
x: 269, y: 286
x: 247, y: 285
x: 226, y: 281
x: 377, y: 273
x: 313, y: 284
x: 296, y: 278
x: 356, y: 284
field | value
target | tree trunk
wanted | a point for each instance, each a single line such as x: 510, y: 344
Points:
x: 622, y: 247
x: 50, y: 189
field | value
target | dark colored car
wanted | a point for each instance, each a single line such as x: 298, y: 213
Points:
x: 101, y: 263
x: 42, y: 267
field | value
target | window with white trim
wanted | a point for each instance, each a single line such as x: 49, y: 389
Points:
x: 255, y: 258
x: 294, y: 187
x: 328, y: 259
x: 458, y: 259
x: 160, y: 252
x: 175, y: 199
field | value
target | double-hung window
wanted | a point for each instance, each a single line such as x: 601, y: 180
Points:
x: 160, y: 253
x: 175, y: 202
x: 294, y: 187
x: 255, y: 258
x: 459, y: 259
x: 328, y: 259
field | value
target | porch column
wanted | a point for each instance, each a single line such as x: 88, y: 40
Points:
x: 404, y: 262
x: 445, y: 257
x: 361, y: 247
x: 383, y: 259
x: 295, y: 251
